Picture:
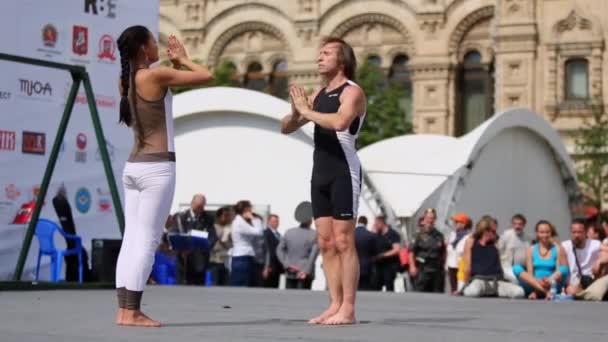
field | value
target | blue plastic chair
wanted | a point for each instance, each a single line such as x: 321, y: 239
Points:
x: 164, y: 269
x: 45, y: 232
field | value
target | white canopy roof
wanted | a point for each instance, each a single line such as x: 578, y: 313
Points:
x: 408, y: 170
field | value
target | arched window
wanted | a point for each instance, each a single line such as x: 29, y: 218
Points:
x: 255, y: 78
x: 472, y: 58
x: 577, y: 79
x: 399, y: 74
x: 279, y: 80
x: 374, y: 60
x: 475, y: 92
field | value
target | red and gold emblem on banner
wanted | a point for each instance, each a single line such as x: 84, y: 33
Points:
x: 107, y: 48
x: 49, y: 35
x: 80, y: 40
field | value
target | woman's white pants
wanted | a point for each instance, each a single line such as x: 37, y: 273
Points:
x: 148, y: 189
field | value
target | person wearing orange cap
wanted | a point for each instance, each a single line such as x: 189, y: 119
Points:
x: 455, y: 249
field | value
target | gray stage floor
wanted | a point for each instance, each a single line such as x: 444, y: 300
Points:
x: 214, y: 314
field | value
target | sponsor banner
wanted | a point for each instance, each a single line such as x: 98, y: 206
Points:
x: 32, y: 101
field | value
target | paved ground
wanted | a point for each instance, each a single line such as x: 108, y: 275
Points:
x: 214, y: 314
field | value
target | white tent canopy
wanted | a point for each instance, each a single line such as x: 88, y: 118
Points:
x: 514, y: 162
x: 230, y: 148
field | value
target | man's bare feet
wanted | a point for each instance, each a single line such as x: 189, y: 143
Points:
x: 136, y: 318
x: 345, y: 316
x: 332, y: 310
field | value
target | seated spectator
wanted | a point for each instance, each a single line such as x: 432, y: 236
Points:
x: 545, y: 262
x: 513, y: 246
x: 483, y: 272
x: 596, y: 232
x: 598, y: 290
x: 583, y: 255
x: 455, y: 249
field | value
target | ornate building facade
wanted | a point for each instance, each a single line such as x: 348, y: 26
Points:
x: 460, y: 61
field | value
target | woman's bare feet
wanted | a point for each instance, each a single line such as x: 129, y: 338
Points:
x: 345, y: 316
x: 119, y: 316
x: 332, y: 310
x: 136, y: 318
x: 533, y: 295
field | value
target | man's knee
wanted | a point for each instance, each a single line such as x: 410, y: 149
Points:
x: 327, y: 244
x: 344, y: 243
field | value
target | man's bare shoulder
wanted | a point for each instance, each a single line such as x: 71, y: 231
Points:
x: 353, y: 90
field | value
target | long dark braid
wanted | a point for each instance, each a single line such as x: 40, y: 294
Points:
x: 125, y: 72
x: 129, y: 43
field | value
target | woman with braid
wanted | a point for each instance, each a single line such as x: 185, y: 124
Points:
x: 149, y: 174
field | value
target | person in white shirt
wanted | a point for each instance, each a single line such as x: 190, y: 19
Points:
x: 599, y: 289
x: 246, y: 228
x: 513, y: 246
x: 583, y: 255
x: 455, y: 250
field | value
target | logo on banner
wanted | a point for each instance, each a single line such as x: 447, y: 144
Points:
x: 11, y: 192
x: 5, y: 95
x: 81, y: 148
x: 96, y: 7
x: 80, y: 40
x: 8, y: 140
x: 35, y: 88
x: 83, y: 200
x: 102, y: 101
x: 104, y: 202
x: 49, y: 35
x: 107, y: 48
x: 110, y: 149
x: 33, y: 143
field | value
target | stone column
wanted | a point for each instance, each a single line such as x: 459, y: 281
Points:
x: 515, y: 35
x: 430, y: 83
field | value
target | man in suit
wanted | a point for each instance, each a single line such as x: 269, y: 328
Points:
x: 298, y: 250
x: 365, y: 242
x: 192, y: 265
x: 273, y: 268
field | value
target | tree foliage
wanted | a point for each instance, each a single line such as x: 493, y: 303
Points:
x: 592, y: 157
x: 385, y: 115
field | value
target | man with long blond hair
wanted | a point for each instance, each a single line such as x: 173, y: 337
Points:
x: 337, y: 111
